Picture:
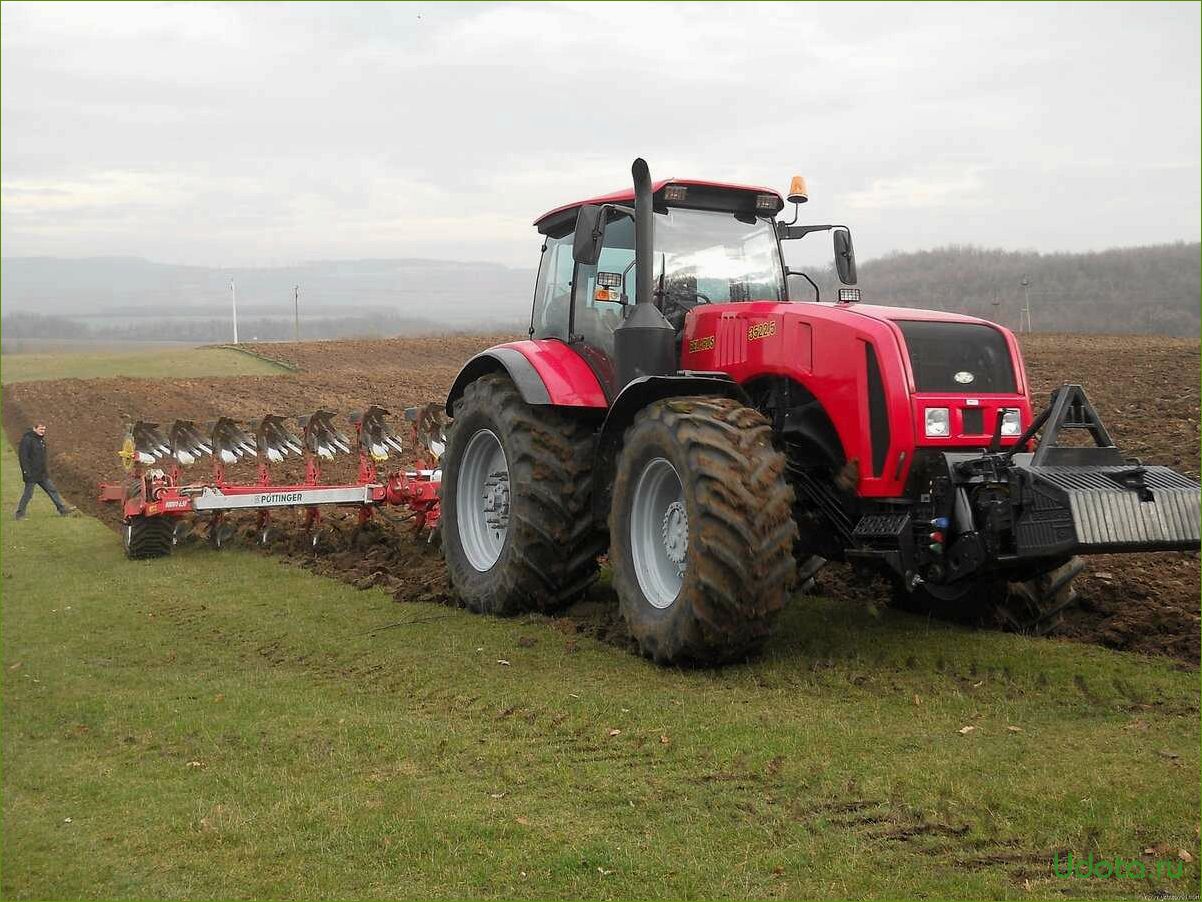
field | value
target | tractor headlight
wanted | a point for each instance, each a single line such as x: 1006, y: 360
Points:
x: 939, y: 422
x: 1011, y: 422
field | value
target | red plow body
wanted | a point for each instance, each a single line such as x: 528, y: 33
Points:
x: 152, y: 496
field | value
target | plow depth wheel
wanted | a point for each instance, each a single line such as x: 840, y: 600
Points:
x: 516, y: 524
x: 148, y: 537
x: 701, y: 531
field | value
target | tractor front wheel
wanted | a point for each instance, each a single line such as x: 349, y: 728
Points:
x: 701, y: 531
x: 516, y: 523
x: 1031, y: 606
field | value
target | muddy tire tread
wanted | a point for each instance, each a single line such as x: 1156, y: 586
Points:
x: 149, y: 537
x: 1030, y: 606
x: 745, y: 569
x: 553, y: 541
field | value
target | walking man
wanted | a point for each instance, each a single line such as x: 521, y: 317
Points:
x: 32, y: 453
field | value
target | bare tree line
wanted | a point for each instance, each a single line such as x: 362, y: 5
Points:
x: 1153, y: 289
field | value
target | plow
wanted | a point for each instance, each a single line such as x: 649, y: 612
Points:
x: 680, y: 411
x: 164, y: 502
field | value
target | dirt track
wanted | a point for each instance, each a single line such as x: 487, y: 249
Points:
x: 1146, y: 389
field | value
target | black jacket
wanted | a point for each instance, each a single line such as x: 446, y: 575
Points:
x: 33, y: 456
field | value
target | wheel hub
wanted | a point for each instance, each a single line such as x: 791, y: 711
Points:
x: 659, y: 532
x: 676, y: 533
x: 496, y: 500
x: 483, y: 499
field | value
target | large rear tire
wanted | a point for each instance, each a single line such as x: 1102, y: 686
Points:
x: 148, y: 537
x: 1032, y: 606
x: 518, y: 533
x: 701, y: 531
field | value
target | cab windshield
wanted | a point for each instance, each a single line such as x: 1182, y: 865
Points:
x: 713, y: 257
x: 704, y: 257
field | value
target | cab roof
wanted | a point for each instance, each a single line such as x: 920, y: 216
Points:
x: 558, y: 215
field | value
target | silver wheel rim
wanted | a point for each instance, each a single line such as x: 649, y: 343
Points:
x: 482, y: 500
x: 659, y: 533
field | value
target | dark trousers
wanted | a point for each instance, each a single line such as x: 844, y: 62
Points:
x: 47, y: 487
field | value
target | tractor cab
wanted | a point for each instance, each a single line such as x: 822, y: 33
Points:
x: 713, y: 244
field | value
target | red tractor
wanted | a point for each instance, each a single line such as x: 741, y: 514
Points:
x: 674, y: 406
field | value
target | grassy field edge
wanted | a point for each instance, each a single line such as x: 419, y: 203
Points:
x: 225, y: 726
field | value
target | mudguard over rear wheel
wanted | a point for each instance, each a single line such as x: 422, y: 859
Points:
x: 701, y: 531
x: 518, y: 534
x: 148, y: 537
x: 1031, y: 606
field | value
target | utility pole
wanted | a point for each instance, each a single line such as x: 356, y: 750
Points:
x: 1024, y: 319
x: 296, y: 313
x: 234, y: 305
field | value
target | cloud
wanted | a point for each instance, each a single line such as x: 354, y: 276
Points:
x: 963, y: 190
x: 248, y: 133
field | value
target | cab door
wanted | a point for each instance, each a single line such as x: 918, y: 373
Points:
x: 552, y: 309
x: 599, y: 306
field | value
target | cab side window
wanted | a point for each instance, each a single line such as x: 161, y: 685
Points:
x: 553, y: 290
x: 597, y: 317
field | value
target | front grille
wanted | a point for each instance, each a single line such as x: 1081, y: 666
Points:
x: 974, y: 421
x: 958, y: 357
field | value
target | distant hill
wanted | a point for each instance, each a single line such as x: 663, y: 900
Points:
x: 1155, y: 289
x: 1152, y: 289
x: 442, y: 292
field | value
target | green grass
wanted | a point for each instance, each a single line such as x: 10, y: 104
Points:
x: 223, y: 725
x: 147, y: 364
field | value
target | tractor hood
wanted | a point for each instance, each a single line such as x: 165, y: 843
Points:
x: 893, y: 314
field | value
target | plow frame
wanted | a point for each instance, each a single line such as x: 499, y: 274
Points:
x: 150, y: 491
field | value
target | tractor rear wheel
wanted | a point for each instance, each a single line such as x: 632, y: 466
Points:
x: 148, y: 537
x: 1031, y: 606
x: 701, y: 531
x: 518, y: 533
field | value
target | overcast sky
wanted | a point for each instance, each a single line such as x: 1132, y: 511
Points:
x: 262, y: 135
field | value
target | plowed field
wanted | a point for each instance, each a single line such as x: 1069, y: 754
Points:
x: 1146, y: 389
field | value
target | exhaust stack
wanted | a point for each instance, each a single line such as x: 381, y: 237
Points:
x: 644, y: 232
x: 645, y: 342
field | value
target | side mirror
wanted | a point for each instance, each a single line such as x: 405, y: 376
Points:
x: 590, y: 232
x: 845, y: 257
